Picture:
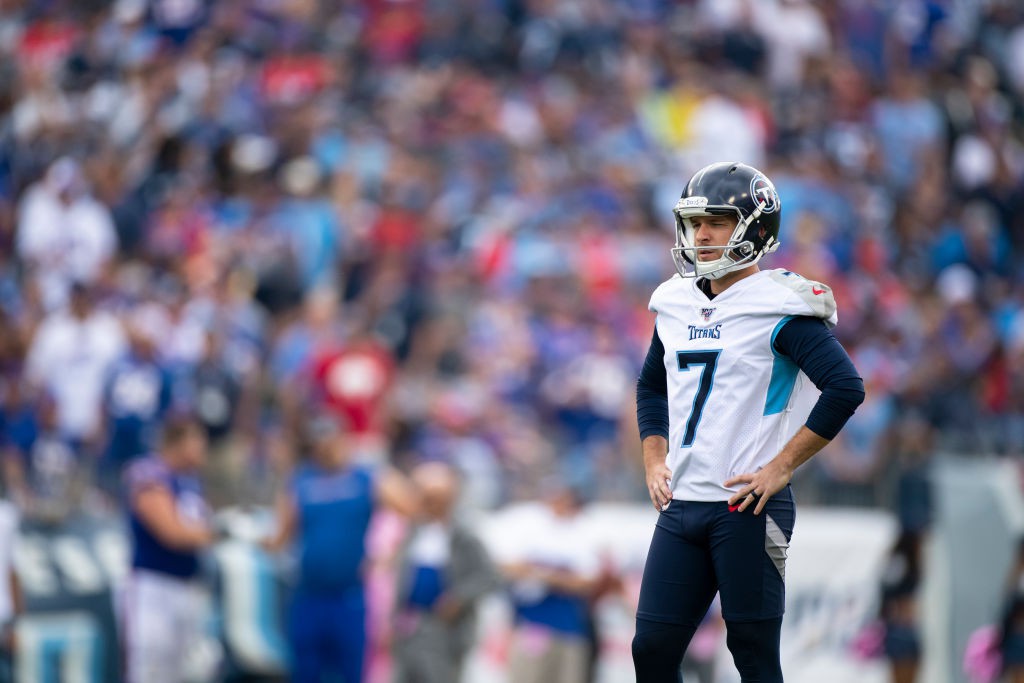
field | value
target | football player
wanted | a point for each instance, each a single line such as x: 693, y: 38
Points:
x: 170, y: 525
x: 722, y: 433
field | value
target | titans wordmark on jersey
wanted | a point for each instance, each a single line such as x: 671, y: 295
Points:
x: 733, y: 400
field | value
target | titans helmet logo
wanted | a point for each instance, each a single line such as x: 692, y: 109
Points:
x: 763, y: 192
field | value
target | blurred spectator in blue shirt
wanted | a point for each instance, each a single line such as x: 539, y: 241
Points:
x: 137, y: 396
x: 909, y: 128
x: 308, y: 223
x: 43, y: 467
x: 326, y: 512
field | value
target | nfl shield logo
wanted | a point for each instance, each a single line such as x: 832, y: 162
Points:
x: 706, y: 313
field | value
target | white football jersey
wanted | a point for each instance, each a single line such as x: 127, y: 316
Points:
x: 733, y: 400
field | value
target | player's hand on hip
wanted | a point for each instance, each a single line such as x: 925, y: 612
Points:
x: 659, y: 477
x: 757, y: 487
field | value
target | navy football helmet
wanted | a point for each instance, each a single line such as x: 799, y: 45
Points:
x: 731, y: 189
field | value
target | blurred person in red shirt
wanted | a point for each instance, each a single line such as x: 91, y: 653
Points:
x: 352, y: 379
x: 393, y: 29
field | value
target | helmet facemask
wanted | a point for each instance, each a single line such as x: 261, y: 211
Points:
x: 739, y: 252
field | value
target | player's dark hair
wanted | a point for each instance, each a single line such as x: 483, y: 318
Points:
x: 178, y: 426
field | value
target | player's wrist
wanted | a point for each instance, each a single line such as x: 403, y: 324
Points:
x: 785, y: 472
x: 653, y: 459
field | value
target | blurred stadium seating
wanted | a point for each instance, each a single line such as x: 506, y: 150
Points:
x: 444, y: 218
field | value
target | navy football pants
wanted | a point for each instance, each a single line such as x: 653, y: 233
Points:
x: 699, y: 549
x: 328, y: 637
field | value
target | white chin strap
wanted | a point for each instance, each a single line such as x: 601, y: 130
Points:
x: 689, y: 265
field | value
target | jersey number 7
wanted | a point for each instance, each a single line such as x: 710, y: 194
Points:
x: 708, y: 362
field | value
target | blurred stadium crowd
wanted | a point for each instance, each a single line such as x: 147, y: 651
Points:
x: 443, y: 220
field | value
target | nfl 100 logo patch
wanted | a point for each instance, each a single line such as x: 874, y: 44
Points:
x: 706, y: 313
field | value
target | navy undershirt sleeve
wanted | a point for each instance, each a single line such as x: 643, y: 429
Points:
x: 825, y: 362
x: 652, y: 392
